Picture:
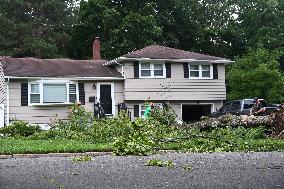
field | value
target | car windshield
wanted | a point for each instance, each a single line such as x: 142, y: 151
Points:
x: 248, y: 104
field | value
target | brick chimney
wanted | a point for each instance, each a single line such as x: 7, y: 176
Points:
x: 96, y: 49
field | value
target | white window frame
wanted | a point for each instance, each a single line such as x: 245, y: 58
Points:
x: 152, y: 70
x: 141, y: 105
x: 42, y: 82
x: 200, y: 71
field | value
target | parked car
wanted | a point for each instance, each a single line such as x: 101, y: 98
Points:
x: 242, y: 107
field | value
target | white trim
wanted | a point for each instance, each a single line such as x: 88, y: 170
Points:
x: 200, y: 71
x: 225, y: 61
x: 152, y: 70
x: 112, y: 95
x: 41, y: 82
x: 66, y: 78
x: 8, y: 103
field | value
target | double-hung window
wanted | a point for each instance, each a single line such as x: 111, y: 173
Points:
x: 200, y: 71
x: 46, y: 92
x: 152, y: 70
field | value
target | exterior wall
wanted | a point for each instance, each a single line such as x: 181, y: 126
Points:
x: 175, y: 105
x: 181, y: 88
x: 44, y: 114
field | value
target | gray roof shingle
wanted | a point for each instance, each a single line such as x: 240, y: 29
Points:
x: 162, y: 52
x: 32, y: 67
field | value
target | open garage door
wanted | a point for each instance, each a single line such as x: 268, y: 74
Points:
x: 192, y: 112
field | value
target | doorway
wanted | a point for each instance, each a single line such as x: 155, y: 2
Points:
x: 193, y: 112
x: 105, y: 96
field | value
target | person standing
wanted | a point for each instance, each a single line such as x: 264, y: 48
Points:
x: 148, y: 110
x: 258, y: 108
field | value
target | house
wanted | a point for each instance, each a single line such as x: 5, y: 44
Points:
x: 38, y: 90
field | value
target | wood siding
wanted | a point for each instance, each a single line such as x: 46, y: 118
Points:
x: 181, y: 88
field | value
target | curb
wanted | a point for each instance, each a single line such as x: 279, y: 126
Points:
x: 93, y: 154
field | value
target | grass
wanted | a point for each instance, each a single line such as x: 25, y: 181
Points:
x: 20, y: 146
x: 24, y: 146
x: 256, y: 145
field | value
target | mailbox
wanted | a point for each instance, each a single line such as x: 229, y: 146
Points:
x: 92, y: 99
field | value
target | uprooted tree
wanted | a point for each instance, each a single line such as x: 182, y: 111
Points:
x: 275, y: 122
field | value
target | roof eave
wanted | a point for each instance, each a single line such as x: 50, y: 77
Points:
x: 65, y: 78
x: 223, y: 61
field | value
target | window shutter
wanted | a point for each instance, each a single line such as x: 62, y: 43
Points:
x: 81, y: 93
x: 136, y: 69
x: 168, y: 70
x: 24, y: 94
x: 215, y: 71
x: 136, y: 110
x: 185, y: 70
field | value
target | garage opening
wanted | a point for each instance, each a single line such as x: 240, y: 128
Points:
x: 192, y: 113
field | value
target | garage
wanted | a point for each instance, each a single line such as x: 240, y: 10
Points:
x: 193, y: 112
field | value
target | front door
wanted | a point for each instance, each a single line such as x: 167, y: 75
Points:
x: 105, y: 98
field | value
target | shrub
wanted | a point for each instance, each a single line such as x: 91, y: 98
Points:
x: 165, y: 116
x: 79, y: 120
x: 20, y: 129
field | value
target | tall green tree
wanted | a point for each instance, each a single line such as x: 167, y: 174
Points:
x: 123, y: 26
x: 35, y: 28
x: 256, y: 74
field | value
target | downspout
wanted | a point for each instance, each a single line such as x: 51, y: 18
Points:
x: 8, y: 104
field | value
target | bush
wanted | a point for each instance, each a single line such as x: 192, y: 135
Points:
x: 165, y: 116
x: 79, y: 120
x: 20, y: 129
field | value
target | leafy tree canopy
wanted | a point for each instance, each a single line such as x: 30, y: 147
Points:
x: 256, y: 74
x: 35, y: 28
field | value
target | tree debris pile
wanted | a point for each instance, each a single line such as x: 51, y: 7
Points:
x: 275, y: 121
x: 278, y: 125
x: 233, y: 121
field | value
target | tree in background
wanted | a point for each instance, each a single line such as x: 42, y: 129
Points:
x: 35, y: 28
x: 256, y: 74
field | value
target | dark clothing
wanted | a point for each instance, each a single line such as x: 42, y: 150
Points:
x: 256, y: 108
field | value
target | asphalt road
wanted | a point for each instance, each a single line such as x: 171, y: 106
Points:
x: 209, y: 170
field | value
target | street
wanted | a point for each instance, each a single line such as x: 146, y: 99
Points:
x: 208, y: 170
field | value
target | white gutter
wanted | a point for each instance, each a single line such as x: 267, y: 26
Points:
x: 8, y: 104
x: 225, y: 61
x: 67, y: 78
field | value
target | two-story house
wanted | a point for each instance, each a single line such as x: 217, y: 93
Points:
x: 193, y: 83
x: 38, y: 90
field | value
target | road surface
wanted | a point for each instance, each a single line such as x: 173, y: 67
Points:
x: 209, y: 170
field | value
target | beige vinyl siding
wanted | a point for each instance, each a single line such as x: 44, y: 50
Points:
x: 181, y: 88
x: 32, y: 114
x: 175, y: 105
x: 44, y: 114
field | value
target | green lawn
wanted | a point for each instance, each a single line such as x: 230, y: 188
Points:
x: 256, y: 145
x: 22, y: 146
x: 18, y: 146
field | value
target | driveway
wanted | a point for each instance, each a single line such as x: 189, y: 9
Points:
x: 209, y: 170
